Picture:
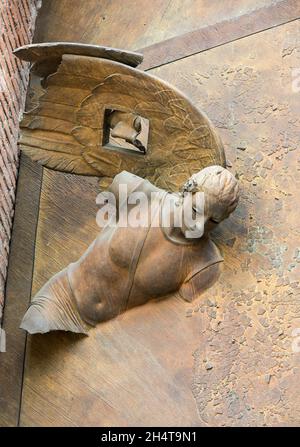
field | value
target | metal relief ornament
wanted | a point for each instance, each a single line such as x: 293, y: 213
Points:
x: 92, y: 113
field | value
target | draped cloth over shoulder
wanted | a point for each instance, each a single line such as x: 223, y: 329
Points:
x: 64, y: 130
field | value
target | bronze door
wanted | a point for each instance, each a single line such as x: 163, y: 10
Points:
x: 230, y: 358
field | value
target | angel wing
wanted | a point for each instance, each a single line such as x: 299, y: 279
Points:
x: 45, y: 57
x: 65, y: 130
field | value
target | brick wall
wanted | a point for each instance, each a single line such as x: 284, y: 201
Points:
x: 17, y: 18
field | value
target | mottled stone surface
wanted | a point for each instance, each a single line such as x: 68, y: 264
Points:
x: 246, y: 370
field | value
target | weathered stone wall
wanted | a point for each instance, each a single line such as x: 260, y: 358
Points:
x: 17, y: 18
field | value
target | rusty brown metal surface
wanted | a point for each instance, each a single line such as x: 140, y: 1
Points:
x: 211, y: 36
x: 233, y: 355
x: 232, y: 358
x: 132, y: 25
x: 247, y: 361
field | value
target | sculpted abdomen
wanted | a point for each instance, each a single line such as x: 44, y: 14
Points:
x: 96, y: 281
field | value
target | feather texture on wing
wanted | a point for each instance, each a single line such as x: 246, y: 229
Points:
x: 64, y: 131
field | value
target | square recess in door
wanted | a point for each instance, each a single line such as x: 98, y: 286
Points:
x: 125, y: 132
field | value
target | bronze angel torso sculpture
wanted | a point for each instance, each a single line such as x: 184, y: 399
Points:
x: 65, y: 130
x: 127, y: 266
